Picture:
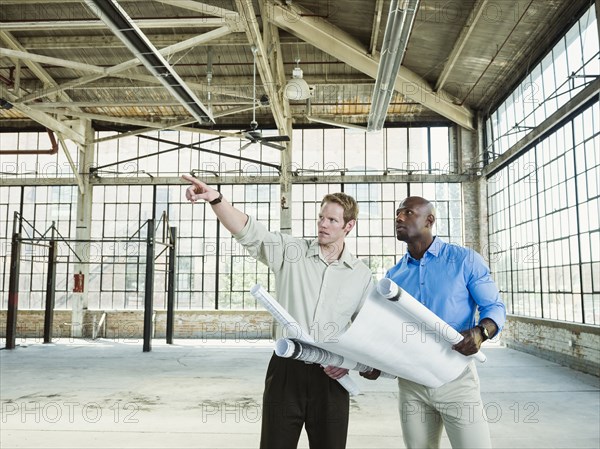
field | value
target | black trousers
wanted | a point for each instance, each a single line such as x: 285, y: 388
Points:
x: 298, y: 394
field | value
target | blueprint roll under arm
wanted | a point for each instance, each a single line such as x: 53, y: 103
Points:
x: 309, y: 353
x: 390, y: 290
x: 287, y: 321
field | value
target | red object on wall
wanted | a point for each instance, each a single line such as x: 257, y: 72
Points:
x: 78, y: 283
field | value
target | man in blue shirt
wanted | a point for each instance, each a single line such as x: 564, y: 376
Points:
x: 454, y: 283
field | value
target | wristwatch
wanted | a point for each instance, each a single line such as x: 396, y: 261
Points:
x: 484, y: 332
x: 217, y: 200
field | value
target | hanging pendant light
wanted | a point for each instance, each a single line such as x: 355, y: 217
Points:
x: 297, y: 88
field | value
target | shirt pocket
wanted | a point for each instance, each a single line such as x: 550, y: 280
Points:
x: 346, y: 304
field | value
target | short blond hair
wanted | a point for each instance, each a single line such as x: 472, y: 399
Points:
x: 348, y: 203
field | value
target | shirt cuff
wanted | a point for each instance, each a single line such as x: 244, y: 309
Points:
x: 240, y: 235
x: 497, y: 316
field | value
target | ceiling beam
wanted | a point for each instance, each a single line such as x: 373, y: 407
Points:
x: 237, y: 110
x: 160, y: 40
x: 41, y: 117
x: 174, y: 126
x: 248, y: 18
x: 44, y: 119
x: 243, y: 82
x: 132, y: 63
x: 272, y: 43
x: 203, y: 8
x: 94, y: 24
x: 124, y: 104
x: 460, y: 43
x: 376, y: 27
x: 180, y: 125
x: 336, y: 42
x: 35, y: 67
x: 42, y: 59
x: 123, y: 26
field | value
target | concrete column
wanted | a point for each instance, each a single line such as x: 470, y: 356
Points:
x: 286, y: 183
x: 484, y: 241
x: 84, y: 227
x: 455, y: 150
x: 468, y: 150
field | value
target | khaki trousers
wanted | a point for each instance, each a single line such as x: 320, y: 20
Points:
x: 457, y: 406
x: 298, y: 394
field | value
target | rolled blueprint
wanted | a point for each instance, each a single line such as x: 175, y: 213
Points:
x: 390, y: 290
x: 282, y: 316
x: 308, y: 353
x: 287, y: 321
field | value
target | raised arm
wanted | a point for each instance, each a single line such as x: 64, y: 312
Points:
x: 233, y: 219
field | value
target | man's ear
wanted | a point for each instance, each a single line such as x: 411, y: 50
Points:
x: 431, y: 220
x: 349, y: 226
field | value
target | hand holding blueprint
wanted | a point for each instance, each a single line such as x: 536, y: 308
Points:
x: 400, y: 337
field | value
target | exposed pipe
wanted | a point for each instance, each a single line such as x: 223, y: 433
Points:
x: 397, y: 32
x: 53, y: 149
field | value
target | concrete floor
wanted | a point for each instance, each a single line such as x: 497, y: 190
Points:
x: 194, y: 394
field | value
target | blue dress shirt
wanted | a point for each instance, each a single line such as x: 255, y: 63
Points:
x: 453, y: 282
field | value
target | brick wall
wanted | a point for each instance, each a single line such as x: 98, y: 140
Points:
x: 209, y: 324
x: 570, y: 344
x: 30, y: 324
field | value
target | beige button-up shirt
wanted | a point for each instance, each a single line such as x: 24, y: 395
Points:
x: 323, y: 297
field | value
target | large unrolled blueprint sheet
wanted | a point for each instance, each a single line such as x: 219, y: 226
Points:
x: 401, y: 337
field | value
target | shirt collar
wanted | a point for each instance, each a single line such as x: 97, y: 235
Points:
x: 434, y: 249
x: 436, y: 246
x: 315, y: 250
x: 346, y: 257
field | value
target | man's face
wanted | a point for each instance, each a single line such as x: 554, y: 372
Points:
x: 330, y: 226
x: 411, y: 220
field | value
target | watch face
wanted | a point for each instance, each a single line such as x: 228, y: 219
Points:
x: 484, y: 331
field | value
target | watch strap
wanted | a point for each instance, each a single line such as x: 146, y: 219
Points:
x: 484, y: 332
x: 217, y: 200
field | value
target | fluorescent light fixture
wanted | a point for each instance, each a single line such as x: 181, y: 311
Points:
x: 397, y: 32
x: 297, y: 88
x: 111, y: 13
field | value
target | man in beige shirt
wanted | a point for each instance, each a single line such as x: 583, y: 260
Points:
x: 322, y: 286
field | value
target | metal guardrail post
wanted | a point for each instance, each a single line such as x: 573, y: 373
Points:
x: 149, y: 285
x: 171, y: 285
x: 50, y: 288
x: 13, y: 285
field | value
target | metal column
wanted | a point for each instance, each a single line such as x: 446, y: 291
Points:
x: 171, y: 285
x: 50, y: 288
x: 149, y: 285
x: 13, y: 285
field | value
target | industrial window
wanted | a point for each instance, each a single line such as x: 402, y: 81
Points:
x: 544, y: 225
x: 571, y: 65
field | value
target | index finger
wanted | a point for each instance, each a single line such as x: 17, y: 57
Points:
x: 193, y: 180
